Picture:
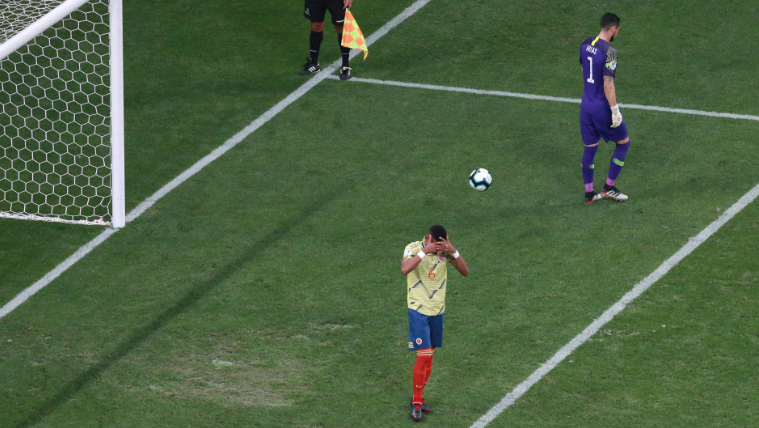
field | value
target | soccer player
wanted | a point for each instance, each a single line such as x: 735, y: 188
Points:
x: 425, y: 266
x: 599, y: 112
x: 315, y: 11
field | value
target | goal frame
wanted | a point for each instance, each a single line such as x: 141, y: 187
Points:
x: 116, y: 72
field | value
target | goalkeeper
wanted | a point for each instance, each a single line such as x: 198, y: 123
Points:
x: 315, y: 10
x: 599, y: 113
x: 425, y: 266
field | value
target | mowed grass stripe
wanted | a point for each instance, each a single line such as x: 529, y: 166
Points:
x: 202, y: 163
x: 548, y: 98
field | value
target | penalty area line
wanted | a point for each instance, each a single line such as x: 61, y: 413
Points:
x: 546, y: 98
x: 615, y: 309
x: 202, y: 163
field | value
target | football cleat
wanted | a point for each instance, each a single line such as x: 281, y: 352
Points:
x: 611, y: 192
x: 416, y: 412
x: 591, y: 197
x: 309, y: 68
x: 425, y: 408
x: 345, y: 73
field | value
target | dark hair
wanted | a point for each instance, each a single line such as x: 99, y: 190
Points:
x: 438, y: 232
x: 609, y: 20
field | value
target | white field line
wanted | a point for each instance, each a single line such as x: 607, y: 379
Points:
x: 547, y: 98
x: 202, y: 163
x: 616, y: 308
x: 55, y: 273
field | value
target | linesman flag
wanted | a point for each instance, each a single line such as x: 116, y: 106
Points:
x: 352, y: 35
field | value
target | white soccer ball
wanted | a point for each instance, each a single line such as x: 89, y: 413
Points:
x: 480, y: 179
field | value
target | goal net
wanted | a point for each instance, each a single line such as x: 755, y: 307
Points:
x: 61, y: 111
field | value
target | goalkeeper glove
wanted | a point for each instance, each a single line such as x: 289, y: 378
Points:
x: 616, y: 116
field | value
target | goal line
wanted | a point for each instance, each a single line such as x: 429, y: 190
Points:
x: 545, y: 98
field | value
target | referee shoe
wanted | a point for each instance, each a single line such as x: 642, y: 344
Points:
x: 345, y: 73
x: 310, y: 68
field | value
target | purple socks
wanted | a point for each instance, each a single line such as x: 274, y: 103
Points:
x: 617, y: 162
x: 588, y: 167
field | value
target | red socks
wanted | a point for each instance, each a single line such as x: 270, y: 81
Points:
x: 422, y: 370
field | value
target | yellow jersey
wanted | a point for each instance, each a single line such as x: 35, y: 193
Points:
x: 426, y: 284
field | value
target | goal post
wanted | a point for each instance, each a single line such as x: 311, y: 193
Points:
x: 118, y: 185
x: 62, y: 111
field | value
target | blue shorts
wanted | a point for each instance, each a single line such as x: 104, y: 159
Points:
x: 424, y: 331
x: 594, y: 126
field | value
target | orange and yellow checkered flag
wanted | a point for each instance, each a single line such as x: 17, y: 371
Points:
x: 352, y: 35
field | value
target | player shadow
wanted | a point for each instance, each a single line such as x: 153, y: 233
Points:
x: 253, y: 250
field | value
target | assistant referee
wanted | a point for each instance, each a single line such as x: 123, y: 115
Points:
x: 315, y: 10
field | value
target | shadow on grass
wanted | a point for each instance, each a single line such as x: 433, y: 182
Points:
x: 194, y: 295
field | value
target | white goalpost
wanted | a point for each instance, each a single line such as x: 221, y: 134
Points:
x: 62, y: 111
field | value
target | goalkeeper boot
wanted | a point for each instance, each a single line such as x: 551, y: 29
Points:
x: 591, y: 197
x: 310, y: 68
x: 612, y: 192
x: 345, y: 73
x: 416, y: 411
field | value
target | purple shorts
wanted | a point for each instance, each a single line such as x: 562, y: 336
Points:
x: 594, y: 126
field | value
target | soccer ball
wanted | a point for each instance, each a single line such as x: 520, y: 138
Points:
x: 480, y: 179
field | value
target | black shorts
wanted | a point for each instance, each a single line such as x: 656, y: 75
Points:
x: 316, y: 9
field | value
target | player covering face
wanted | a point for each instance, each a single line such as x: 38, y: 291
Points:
x: 425, y: 266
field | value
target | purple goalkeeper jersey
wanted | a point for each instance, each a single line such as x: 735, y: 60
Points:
x: 598, y: 59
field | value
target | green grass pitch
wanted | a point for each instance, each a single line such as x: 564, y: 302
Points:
x: 266, y: 290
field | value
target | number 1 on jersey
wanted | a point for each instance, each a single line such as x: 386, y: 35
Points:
x: 590, y: 79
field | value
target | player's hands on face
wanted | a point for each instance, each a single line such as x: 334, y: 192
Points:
x: 616, y: 117
x: 446, y: 245
x: 431, y: 246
